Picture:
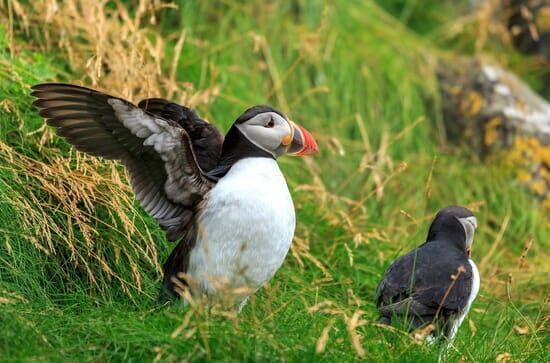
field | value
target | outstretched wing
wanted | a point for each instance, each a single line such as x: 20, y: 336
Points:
x: 421, y: 281
x: 206, y: 139
x: 158, y: 153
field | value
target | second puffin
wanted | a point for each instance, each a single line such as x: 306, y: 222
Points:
x: 225, y: 200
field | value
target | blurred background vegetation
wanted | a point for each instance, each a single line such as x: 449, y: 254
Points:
x: 80, y: 262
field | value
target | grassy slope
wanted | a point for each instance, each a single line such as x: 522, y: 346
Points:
x: 332, y: 68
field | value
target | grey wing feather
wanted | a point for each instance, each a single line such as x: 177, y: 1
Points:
x: 158, y: 154
x: 206, y: 139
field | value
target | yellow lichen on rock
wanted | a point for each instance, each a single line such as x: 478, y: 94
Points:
x: 542, y: 21
x: 524, y: 176
x: 471, y: 103
x: 532, y: 161
x: 491, y: 130
x: 539, y: 187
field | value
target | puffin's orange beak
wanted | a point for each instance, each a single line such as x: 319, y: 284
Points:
x: 302, y: 142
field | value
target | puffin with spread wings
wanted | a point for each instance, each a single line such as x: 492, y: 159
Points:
x: 224, y: 200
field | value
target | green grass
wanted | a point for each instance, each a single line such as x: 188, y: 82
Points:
x: 82, y: 287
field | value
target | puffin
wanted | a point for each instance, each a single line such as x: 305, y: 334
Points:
x: 436, y: 282
x: 224, y: 200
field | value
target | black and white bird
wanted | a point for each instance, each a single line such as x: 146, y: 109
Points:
x: 435, y: 282
x: 224, y: 200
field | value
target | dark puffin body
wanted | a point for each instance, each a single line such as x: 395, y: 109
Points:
x: 413, y: 288
x: 170, y: 184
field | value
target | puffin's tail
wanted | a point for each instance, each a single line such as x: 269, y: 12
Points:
x: 174, y: 284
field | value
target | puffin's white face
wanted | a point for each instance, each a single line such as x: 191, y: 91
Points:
x: 470, y: 225
x: 276, y: 135
x: 268, y: 131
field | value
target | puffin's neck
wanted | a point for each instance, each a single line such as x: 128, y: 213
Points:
x: 450, y: 232
x: 235, y: 147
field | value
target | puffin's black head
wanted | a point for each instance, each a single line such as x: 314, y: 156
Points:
x: 262, y: 131
x: 271, y: 132
x: 456, y: 225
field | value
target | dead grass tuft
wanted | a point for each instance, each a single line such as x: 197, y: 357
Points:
x: 74, y: 187
x: 115, y: 50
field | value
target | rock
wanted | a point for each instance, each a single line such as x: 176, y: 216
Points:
x: 494, y: 111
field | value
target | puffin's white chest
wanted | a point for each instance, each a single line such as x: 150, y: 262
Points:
x: 246, y: 228
x: 473, y: 294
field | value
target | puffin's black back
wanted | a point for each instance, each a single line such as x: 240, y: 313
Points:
x: 415, y: 285
x: 420, y: 280
x: 425, y: 273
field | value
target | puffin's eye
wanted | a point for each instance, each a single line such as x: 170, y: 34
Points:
x: 270, y: 124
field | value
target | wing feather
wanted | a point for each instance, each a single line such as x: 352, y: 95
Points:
x: 206, y: 139
x: 417, y: 283
x: 158, y: 153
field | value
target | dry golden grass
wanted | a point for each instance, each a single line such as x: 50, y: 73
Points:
x: 75, y: 186
x: 114, y: 51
